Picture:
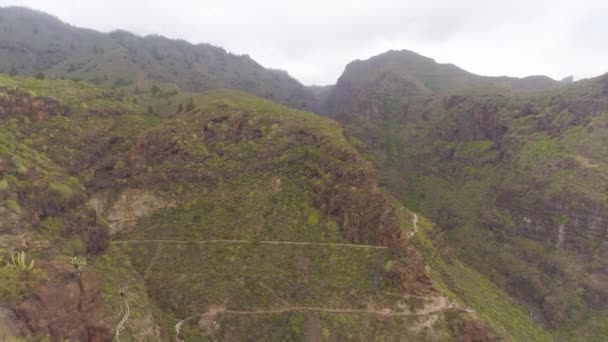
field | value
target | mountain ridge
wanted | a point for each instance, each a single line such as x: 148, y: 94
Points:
x: 46, y: 45
x: 185, y: 199
x: 110, y: 200
x: 517, y: 170
x: 120, y: 53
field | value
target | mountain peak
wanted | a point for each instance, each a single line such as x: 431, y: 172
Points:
x: 568, y: 79
x: 41, y: 44
x: 425, y: 75
x: 21, y: 12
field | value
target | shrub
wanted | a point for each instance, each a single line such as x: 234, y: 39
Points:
x: 19, y: 260
x: 79, y: 263
x: 13, y: 206
x: 3, y: 184
x: 53, y: 225
x: 17, y: 282
x: 20, y: 166
x: 313, y: 218
x: 73, y: 246
x: 11, y: 283
x: 60, y: 193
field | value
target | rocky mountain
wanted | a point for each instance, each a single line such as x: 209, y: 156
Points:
x: 512, y: 170
x: 236, y: 219
x: 34, y: 43
x: 412, y: 74
x: 142, y: 200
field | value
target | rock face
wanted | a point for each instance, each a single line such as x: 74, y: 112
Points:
x: 68, y: 307
x: 11, y: 327
x: 522, y: 171
x: 564, y: 221
x: 123, y: 210
x: 15, y: 103
x: 236, y: 202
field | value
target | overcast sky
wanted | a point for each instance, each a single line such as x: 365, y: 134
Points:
x: 315, y: 39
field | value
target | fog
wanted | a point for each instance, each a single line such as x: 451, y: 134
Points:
x: 314, y: 39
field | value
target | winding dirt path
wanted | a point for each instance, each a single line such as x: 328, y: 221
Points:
x: 384, y: 313
x: 294, y: 243
x: 178, y: 327
x: 434, y: 309
x: 123, y: 320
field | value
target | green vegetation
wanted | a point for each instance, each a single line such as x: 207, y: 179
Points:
x: 226, y: 191
x: 19, y: 261
x: 476, y: 291
x: 229, y: 166
x: 259, y: 276
x: 131, y: 63
x: 13, y: 206
x: 245, y: 208
x: 295, y: 326
x: 18, y: 277
x: 295, y: 192
x: 79, y: 263
x: 118, y: 276
x: 513, y: 172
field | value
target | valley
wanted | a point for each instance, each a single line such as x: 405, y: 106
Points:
x: 157, y: 190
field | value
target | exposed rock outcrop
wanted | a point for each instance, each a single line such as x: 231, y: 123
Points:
x: 122, y: 210
x: 11, y: 327
x: 14, y: 103
x: 67, y: 307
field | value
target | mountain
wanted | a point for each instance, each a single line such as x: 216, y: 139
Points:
x: 512, y: 170
x: 411, y: 74
x: 33, y: 43
x: 235, y: 219
x: 151, y: 189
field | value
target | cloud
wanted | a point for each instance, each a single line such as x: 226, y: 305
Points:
x: 315, y: 39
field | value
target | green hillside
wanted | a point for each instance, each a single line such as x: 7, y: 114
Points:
x: 237, y: 219
x: 34, y: 43
x: 515, y: 179
x: 156, y: 190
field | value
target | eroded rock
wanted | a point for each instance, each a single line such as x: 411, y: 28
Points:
x: 69, y: 306
x: 11, y: 327
x: 122, y: 211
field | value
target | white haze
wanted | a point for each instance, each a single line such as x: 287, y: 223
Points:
x: 315, y: 39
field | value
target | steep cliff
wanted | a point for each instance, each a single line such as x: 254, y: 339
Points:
x: 513, y: 174
x: 234, y: 219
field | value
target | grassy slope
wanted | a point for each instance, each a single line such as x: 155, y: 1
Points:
x: 226, y: 187
x: 36, y: 42
x: 246, y: 203
x: 59, y: 148
x: 441, y: 162
x: 543, y: 166
x: 474, y: 289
